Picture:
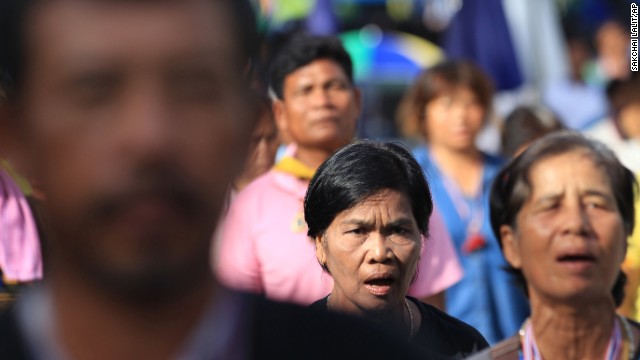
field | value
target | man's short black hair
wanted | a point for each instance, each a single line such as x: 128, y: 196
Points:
x: 302, y: 50
x: 15, y: 13
x: 358, y: 171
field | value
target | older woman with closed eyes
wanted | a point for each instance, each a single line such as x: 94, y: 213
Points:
x: 563, y: 210
x: 368, y: 209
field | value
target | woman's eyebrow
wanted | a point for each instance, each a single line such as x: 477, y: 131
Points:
x: 403, y: 221
x: 366, y: 223
x: 587, y: 192
x: 358, y: 222
x: 596, y: 192
x: 550, y: 197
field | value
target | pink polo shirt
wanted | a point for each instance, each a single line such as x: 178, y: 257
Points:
x: 20, y: 257
x: 265, y: 249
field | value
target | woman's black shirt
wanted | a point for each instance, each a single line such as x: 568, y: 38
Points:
x: 439, y: 333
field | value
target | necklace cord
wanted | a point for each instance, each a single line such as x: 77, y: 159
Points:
x: 406, y: 303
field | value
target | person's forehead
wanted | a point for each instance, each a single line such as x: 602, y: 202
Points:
x: 557, y: 171
x: 456, y: 90
x: 101, y: 27
x: 317, y: 70
x: 386, y: 200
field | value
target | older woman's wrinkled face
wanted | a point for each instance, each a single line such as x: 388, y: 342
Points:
x: 569, y: 240
x: 372, y: 251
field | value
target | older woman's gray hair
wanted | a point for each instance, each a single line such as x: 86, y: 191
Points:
x: 512, y: 186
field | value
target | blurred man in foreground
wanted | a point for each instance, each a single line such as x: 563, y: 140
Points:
x: 135, y: 116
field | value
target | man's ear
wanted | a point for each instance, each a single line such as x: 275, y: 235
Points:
x: 357, y: 98
x: 511, y: 246
x: 280, y: 115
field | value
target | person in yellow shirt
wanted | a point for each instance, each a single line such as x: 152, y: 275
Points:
x: 631, y: 266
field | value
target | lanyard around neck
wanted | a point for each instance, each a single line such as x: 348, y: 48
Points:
x: 618, y: 344
x: 470, y: 210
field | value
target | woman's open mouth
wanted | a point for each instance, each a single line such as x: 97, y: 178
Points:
x: 379, y: 286
x: 577, y: 261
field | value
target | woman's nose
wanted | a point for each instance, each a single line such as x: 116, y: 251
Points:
x: 575, y: 221
x: 379, y: 250
x: 461, y: 111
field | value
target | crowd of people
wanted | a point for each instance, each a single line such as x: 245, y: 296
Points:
x: 158, y: 202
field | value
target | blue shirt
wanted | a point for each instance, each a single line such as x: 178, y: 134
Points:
x: 487, y: 297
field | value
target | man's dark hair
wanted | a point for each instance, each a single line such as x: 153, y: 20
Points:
x: 512, y: 186
x: 14, y: 16
x: 302, y: 50
x: 524, y: 125
x: 358, y: 171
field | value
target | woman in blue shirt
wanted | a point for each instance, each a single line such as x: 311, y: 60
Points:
x: 448, y: 106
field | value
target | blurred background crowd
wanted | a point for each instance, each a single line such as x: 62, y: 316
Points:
x: 558, y: 57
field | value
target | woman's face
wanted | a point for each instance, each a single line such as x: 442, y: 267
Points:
x: 629, y: 119
x: 372, y: 251
x: 262, y: 148
x: 570, y: 239
x: 453, y: 120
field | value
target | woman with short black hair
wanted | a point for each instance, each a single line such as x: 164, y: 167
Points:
x: 368, y: 209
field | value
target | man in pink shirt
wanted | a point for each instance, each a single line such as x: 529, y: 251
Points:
x: 264, y: 246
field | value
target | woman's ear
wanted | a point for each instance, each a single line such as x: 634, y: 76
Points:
x: 510, y: 246
x: 320, y: 252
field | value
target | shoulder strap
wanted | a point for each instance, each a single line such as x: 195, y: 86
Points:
x: 507, y: 349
